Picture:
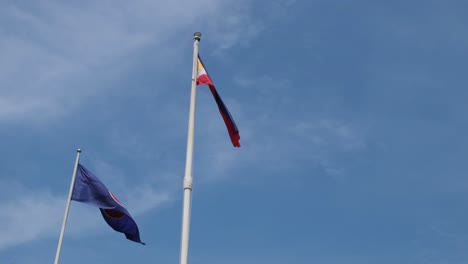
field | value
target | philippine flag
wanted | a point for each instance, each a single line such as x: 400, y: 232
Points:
x: 204, y: 78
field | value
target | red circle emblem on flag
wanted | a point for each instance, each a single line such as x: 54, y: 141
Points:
x: 111, y: 212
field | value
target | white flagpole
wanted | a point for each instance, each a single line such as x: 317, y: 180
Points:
x: 189, y: 158
x: 67, y: 208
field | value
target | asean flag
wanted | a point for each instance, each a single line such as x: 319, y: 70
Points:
x: 204, y: 78
x: 90, y: 190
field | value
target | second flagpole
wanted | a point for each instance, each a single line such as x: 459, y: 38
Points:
x: 189, y: 158
x: 67, y: 207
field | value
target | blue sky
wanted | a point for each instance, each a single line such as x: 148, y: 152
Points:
x: 351, y: 116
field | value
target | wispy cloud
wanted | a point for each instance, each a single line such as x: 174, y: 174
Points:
x: 234, y: 30
x: 66, y: 52
x: 275, y: 128
x: 326, y: 133
x: 31, y: 215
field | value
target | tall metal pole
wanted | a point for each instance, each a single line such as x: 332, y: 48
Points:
x: 67, y: 207
x: 189, y: 158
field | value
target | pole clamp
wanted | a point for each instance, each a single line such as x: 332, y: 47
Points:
x: 188, y: 183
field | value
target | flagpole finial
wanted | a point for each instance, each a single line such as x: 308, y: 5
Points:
x: 78, y: 150
x: 197, y: 35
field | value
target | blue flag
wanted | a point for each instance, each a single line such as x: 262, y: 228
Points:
x: 90, y: 190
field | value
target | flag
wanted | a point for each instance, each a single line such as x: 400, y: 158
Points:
x: 90, y: 190
x: 204, y: 78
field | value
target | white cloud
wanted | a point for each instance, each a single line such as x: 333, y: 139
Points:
x: 54, y: 54
x: 31, y: 215
x: 278, y: 135
x: 329, y: 133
